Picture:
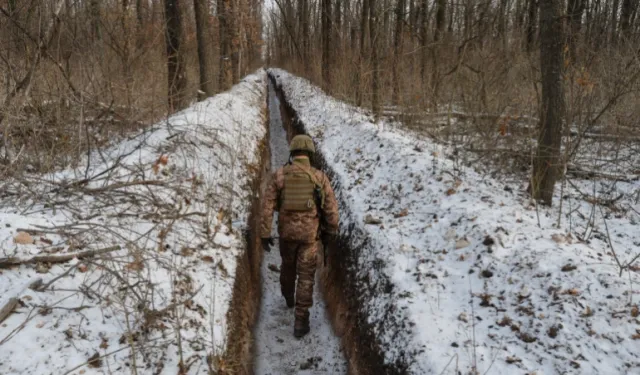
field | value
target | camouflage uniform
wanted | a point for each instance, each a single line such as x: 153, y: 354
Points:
x: 299, y: 235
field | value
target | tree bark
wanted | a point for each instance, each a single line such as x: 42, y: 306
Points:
x: 140, y: 13
x: 440, y: 18
x: 375, y: 63
x: 364, y: 19
x: 326, y: 44
x: 397, y: 50
x: 546, y: 162
x: 575, y: 10
x: 225, y: 75
x: 424, y: 26
x: 201, y: 10
x: 532, y: 15
x: 625, y: 17
x: 175, y: 66
x: 94, y: 11
x: 614, y: 21
x: 304, y: 27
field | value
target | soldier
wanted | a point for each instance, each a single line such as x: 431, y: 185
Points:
x: 307, y: 210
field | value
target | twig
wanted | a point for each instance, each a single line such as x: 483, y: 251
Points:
x: 121, y: 185
x: 41, y: 288
x: 13, y: 261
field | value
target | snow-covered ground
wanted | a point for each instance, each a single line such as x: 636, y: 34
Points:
x: 460, y: 272
x: 175, y: 199
x: 277, y: 351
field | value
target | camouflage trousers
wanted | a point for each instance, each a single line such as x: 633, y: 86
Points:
x: 298, y: 259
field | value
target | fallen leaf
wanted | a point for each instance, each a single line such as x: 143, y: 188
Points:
x: 104, y: 344
x: 587, y: 313
x: 559, y: 238
x: 450, y: 191
x: 635, y: 311
x: 402, y: 213
x: 95, y: 361
x: 568, y: 268
x: 572, y: 292
x: 164, y: 159
x: 207, y: 258
x: 370, y: 219
x: 83, y: 267
x: 23, y: 238
x: 462, y: 243
x: 511, y: 360
x: 42, y: 268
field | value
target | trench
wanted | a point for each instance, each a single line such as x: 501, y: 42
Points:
x: 340, y: 285
x: 276, y: 351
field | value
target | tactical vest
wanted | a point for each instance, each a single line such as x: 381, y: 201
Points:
x: 301, y: 191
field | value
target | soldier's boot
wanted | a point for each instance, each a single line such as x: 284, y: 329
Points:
x: 291, y: 302
x: 301, y: 328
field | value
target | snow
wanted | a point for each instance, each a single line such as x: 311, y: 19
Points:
x: 176, y: 199
x: 466, y: 273
x: 277, y: 351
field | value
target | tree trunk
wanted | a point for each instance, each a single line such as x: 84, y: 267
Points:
x: 201, y: 10
x: 424, y: 26
x: 375, y: 63
x: 326, y: 44
x: 546, y: 162
x: 614, y: 21
x: 397, y: 50
x: 532, y: 15
x: 440, y: 18
x: 304, y: 27
x: 575, y: 10
x: 625, y: 17
x: 94, y: 10
x: 175, y: 66
x: 503, y: 22
x: 364, y: 19
x: 139, y: 13
x: 225, y: 74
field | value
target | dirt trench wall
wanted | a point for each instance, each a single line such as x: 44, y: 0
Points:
x: 342, y: 289
x: 245, y: 303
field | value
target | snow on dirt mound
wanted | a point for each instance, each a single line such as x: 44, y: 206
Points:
x: 458, y: 272
x: 130, y: 261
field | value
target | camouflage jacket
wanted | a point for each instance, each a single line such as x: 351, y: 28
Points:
x: 299, y: 226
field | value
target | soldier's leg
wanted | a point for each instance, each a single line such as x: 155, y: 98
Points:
x: 307, y: 260
x: 288, y: 253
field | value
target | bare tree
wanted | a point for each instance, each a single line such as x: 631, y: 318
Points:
x: 201, y: 10
x: 546, y: 162
x: 575, y: 10
x: 532, y: 15
x: 375, y: 60
x: 326, y: 44
x: 397, y: 50
x: 225, y: 21
x: 177, y: 80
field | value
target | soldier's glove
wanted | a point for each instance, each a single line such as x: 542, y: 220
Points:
x: 267, y: 243
x: 328, y: 242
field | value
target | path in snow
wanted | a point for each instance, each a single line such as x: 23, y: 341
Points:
x: 277, y: 351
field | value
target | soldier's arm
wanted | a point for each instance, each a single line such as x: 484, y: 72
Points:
x: 330, y: 211
x: 268, y: 206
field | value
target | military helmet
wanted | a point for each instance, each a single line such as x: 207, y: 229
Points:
x: 302, y: 143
